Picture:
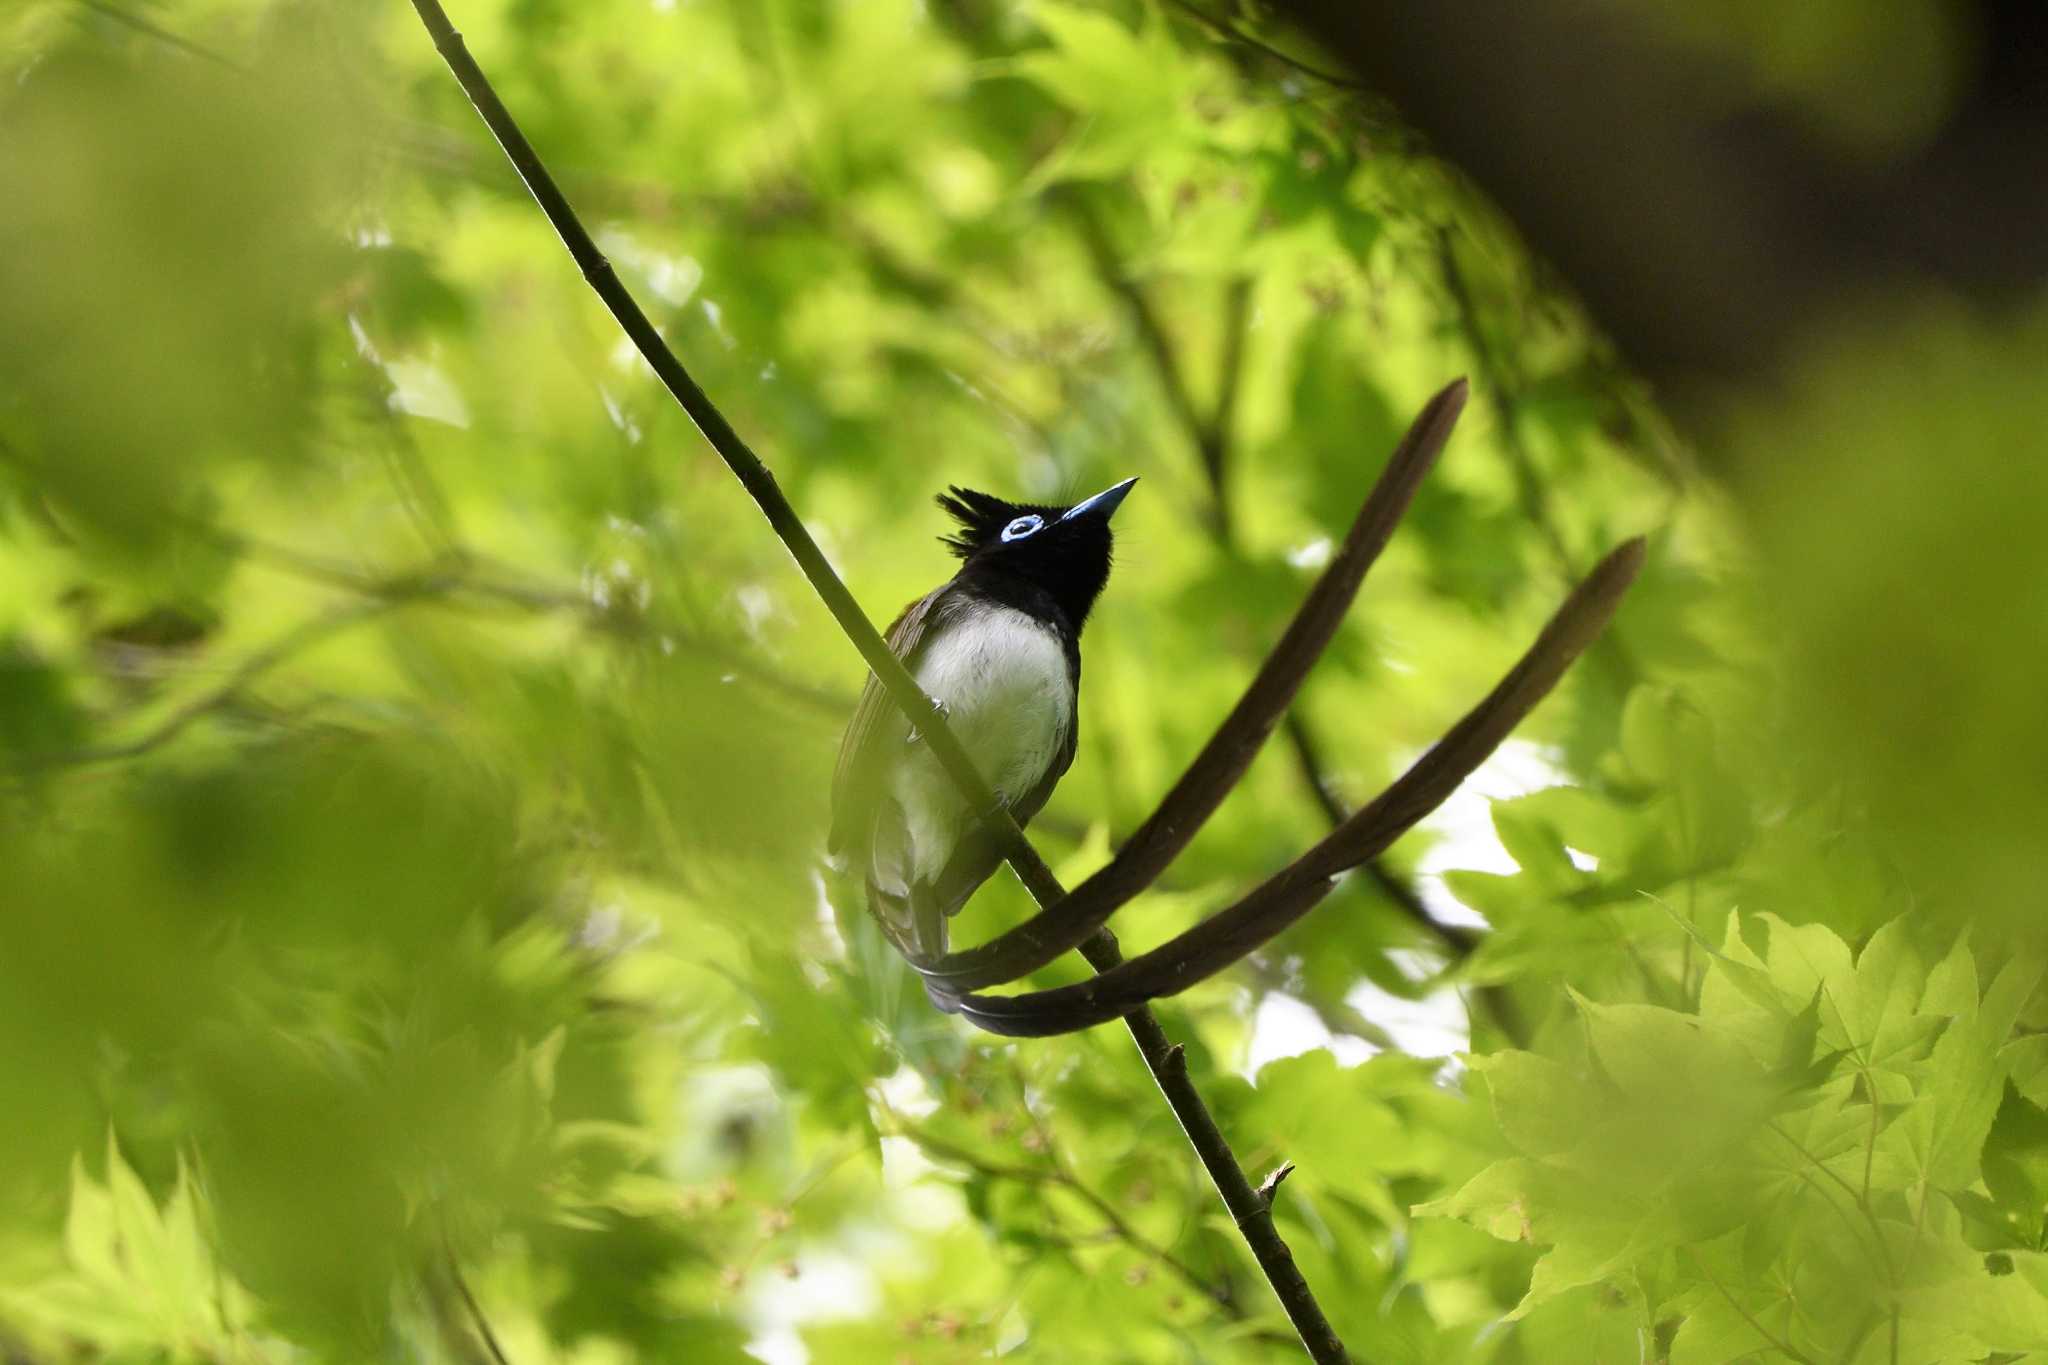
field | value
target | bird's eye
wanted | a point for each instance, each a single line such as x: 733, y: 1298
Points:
x: 1021, y: 527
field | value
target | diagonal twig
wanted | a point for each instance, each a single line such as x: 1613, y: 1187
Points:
x: 1165, y: 1059
x: 475, y: 1310
x: 746, y: 466
x: 1231, y: 33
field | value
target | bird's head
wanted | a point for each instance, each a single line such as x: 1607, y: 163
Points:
x: 1064, y: 550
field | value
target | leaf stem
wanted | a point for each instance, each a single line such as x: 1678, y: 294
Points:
x: 1058, y: 1176
x: 1776, y: 1341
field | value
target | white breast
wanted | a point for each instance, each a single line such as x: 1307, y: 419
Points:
x: 1003, y: 679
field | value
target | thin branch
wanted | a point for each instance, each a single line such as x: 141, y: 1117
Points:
x: 1166, y: 1061
x: 1230, y: 33
x: 746, y: 466
x: 300, y: 637
x: 1216, y: 770
x: 1766, y: 1333
x: 1292, y: 892
x: 475, y: 1310
x: 161, y: 34
x: 474, y: 576
x: 1505, y: 392
x: 1058, y: 1177
x: 1151, y: 329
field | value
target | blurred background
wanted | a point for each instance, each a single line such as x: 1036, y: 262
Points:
x: 415, y: 942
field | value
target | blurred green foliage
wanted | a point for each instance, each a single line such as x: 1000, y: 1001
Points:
x: 413, y: 747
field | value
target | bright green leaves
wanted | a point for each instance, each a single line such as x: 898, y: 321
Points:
x: 138, y: 1273
x: 1967, y: 1070
x: 1645, y: 864
x: 1786, y: 1169
x: 1126, y: 89
x: 450, y: 870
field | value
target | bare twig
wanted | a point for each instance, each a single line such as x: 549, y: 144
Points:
x: 1270, y: 1186
x: 1505, y: 393
x: 1230, y: 33
x: 161, y: 34
x: 1058, y: 1176
x: 1777, y: 1342
x: 746, y: 466
x: 300, y: 637
x: 1167, y: 1064
x: 475, y: 1311
x: 471, y: 576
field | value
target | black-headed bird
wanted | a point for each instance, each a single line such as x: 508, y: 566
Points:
x: 998, y: 648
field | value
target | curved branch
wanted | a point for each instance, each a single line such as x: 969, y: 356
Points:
x: 1292, y: 892
x: 1230, y: 751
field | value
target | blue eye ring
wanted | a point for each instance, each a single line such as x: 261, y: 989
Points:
x: 1028, y: 524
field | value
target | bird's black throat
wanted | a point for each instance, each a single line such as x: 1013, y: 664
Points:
x: 979, y: 585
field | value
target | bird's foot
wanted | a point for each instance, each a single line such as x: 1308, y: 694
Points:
x: 945, y: 712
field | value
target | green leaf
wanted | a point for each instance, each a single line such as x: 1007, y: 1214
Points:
x: 1538, y: 1103
x: 1494, y: 1201
x: 2026, y: 1062
x: 1535, y: 844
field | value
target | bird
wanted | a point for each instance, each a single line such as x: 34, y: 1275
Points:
x: 998, y: 650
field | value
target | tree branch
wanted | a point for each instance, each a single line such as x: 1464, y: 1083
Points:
x: 1167, y: 1062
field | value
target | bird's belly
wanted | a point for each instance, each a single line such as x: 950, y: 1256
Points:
x: 1009, y: 698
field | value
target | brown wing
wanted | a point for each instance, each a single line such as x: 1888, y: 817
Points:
x: 857, y: 777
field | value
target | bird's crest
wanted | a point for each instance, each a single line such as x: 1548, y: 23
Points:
x: 982, y: 517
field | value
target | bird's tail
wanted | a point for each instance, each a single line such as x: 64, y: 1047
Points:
x: 908, y: 908
x: 915, y: 920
